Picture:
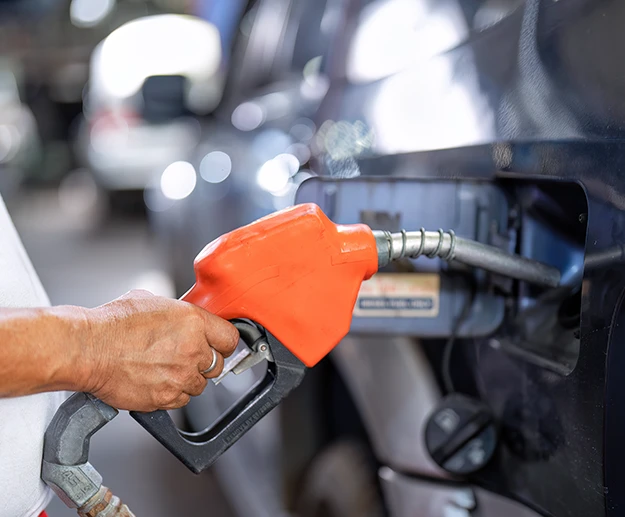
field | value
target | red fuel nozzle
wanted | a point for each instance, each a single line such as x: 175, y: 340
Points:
x: 294, y: 272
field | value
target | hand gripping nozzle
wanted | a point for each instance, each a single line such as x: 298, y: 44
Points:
x: 66, y: 468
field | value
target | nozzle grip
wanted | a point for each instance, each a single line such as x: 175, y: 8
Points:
x: 198, y: 451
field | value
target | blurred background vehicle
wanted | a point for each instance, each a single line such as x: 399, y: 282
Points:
x: 149, y: 81
x: 252, y: 154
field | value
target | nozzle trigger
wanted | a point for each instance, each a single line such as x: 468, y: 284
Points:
x: 198, y: 451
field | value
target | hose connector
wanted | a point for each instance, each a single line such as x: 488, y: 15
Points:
x: 104, y: 504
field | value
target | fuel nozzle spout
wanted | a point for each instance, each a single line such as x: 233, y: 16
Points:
x: 449, y: 247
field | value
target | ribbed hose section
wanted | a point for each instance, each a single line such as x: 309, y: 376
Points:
x: 447, y: 246
x: 104, y: 504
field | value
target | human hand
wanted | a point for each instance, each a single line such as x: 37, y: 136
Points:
x: 147, y: 352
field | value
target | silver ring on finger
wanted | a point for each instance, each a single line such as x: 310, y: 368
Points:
x: 212, y: 365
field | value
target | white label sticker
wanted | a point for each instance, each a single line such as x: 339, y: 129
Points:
x: 399, y: 295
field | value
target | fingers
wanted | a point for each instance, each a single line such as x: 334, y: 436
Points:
x: 197, y: 385
x: 176, y: 342
x: 180, y: 401
x: 194, y: 387
x: 207, y: 362
x: 221, y: 334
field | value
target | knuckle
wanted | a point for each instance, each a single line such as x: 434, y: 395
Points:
x: 199, y: 356
x: 180, y: 401
x: 192, y: 379
x: 160, y: 400
x: 165, y: 398
x: 198, y: 385
x: 225, y: 339
x: 196, y: 318
x: 233, y: 339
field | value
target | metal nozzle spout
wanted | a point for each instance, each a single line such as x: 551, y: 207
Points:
x: 445, y: 245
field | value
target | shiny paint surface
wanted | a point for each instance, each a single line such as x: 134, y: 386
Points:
x: 537, y: 95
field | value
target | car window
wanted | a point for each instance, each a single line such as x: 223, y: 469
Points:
x: 405, y: 81
x: 260, y: 33
x: 226, y: 16
x: 308, y: 35
x: 279, y: 39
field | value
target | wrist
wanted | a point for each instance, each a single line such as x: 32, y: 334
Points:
x: 76, y: 348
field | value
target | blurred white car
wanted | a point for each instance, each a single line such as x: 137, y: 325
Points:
x: 149, y: 81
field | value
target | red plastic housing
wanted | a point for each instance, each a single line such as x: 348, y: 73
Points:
x: 294, y: 272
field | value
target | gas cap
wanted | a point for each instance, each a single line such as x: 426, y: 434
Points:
x: 460, y: 434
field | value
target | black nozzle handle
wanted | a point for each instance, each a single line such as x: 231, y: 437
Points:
x: 198, y: 451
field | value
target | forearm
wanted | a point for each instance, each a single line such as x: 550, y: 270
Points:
x: 43, y: 349
x: 139, y: 352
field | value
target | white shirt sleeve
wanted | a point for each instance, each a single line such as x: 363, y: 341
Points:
x: 23, y: 420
